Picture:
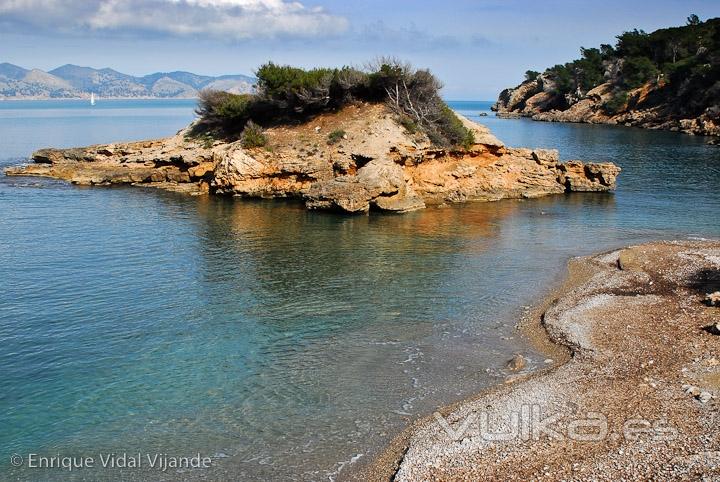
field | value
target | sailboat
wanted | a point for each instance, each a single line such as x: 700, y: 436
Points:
x: 92, y: 98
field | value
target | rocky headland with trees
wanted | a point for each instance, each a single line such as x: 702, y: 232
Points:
x: 668, y: 79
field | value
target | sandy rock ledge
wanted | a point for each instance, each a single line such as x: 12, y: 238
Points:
x: 376, y: 165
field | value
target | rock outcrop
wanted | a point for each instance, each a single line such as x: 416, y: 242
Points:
x: 376, y: 165
x: 537, y: 100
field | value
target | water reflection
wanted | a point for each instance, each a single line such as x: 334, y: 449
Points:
x: 289, y: 340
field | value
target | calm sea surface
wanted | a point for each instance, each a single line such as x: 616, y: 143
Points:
x: 283, y: 343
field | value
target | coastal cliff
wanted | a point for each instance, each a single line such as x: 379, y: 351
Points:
x: 537, y: 100
x: 353, y: 160
x: 668, y: 79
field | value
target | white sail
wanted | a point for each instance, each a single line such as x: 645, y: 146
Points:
x: 92, y: 98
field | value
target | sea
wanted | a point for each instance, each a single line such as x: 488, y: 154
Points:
x: 281, y: 343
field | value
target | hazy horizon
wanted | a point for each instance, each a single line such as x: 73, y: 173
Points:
x: 476, y: 48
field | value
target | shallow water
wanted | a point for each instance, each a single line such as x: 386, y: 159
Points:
x: 281, y: 342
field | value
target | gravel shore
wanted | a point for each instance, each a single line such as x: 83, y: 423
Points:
x: 633, y: 393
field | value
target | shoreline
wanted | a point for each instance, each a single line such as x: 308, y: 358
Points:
x: 424, y: 451
x: 548, y: 117
x: 384, y: 466
x: 376, y: 165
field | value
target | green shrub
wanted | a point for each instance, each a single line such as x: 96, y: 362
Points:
x: 410, y: 125
x: 288, y: 94
x: 207, y: 141
x: 469, y: 140
x: 450, y: 131
x: 638, y: 70
x: 218, y: 110
x: 617, y: 102
x: 336, y: 136
x: 252, y: 136
x: 531, y: 75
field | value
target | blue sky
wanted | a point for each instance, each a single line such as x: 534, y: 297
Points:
x: 475, y: 47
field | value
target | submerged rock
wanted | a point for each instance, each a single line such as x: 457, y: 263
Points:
x: 376, y: 165
x: 516, y: 363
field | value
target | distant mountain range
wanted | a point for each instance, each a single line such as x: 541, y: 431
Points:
x: 72, y: 81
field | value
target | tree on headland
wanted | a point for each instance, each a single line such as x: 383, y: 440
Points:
x: 531, y: 75
x: 684, y: 62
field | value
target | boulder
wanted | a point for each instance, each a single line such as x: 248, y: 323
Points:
x: 380, y: 183
x: 546, y: 157
x: 590, y: 177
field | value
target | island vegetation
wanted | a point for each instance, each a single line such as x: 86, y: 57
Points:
x: 673, y: 71
x: 289, y: 95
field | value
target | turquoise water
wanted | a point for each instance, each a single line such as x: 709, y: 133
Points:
x: 282, y: 343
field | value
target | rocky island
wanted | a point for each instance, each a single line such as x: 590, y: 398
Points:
x: 668, y: 79
x: 385, y: 142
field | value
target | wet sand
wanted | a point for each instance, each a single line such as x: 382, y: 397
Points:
x: 632, y: 393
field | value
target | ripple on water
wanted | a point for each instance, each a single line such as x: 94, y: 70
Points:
x: 292, y: 342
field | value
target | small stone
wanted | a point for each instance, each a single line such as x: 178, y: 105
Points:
x: 629, y: 260
x: 713, y: 299
x: 704, y: 397
x: 549, y: 361
x: 516, y: 363
x: 692, y: 390
x: 713, y: 329
x: 317, y: 128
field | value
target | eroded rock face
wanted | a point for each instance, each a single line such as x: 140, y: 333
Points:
x: 380, y: 183
x: 537, y: 100
x: 376, y: 166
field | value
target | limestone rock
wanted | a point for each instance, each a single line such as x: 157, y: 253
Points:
x: 588, y: 177
x: 483, y: 136
x: 537, y: 99
x: 547, y: 157
x: 380, y: 183
x: 378, y: 165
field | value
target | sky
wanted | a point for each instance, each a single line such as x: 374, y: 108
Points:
x: 476, y: 47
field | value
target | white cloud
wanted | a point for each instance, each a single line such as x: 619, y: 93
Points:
x: 232, y: 19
